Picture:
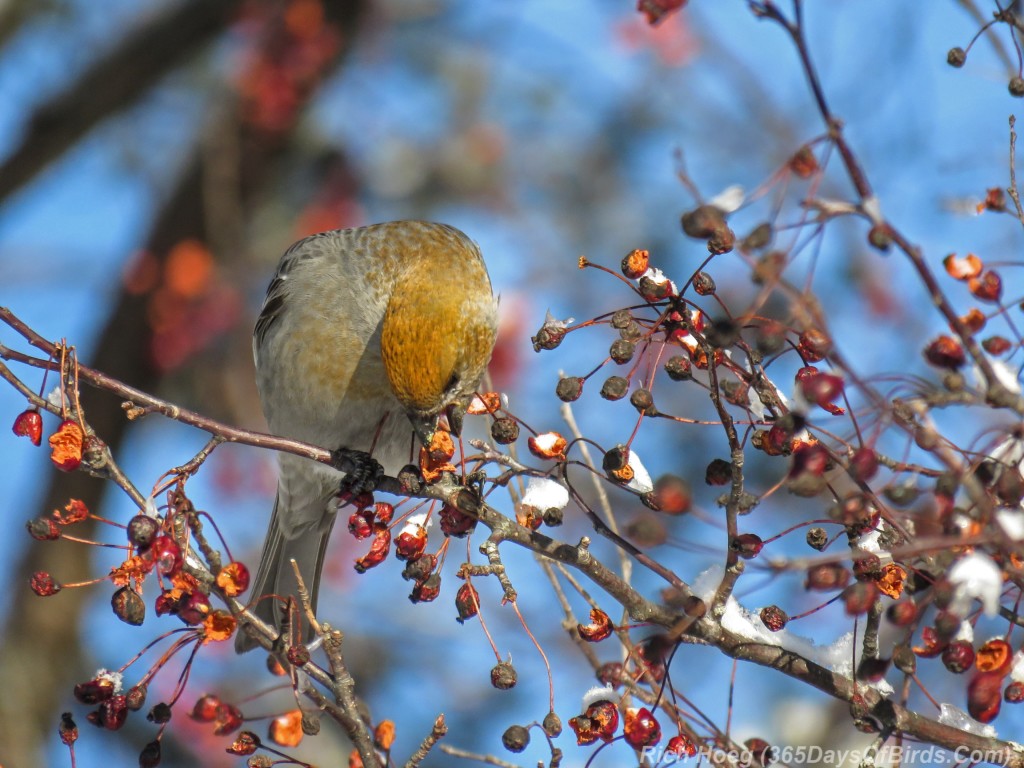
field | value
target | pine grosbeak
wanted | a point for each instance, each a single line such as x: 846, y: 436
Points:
x: 365, y: 337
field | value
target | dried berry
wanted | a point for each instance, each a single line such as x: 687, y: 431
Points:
x: 614, y: 388
x: 704, y: 284
x: 747, y: 545
x: 150, y: 756
x: 703, y: 222
x: 817, y: 538
x: 505, y: 430
x: 622, y: 351
x: 128, y: 606
x: 774, y: 618
x: 503, y: 676
x: 516, y: 738
x: 635, y: 264
x: 142, y: 529
x: 956, y: 57
x: 678, y: 368
x: 569, y: 389
x: 43, y: 529
x: 43, y: 584
x: 427, y: 590
x: 718, y: 472
x: 548, y: 337
x: 552, y: 725
x: 467, y: 602
x: 643, y: 401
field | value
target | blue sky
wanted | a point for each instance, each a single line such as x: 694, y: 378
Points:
x: 556, y: 83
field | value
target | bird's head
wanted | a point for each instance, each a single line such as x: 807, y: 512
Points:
x: 440, y: 324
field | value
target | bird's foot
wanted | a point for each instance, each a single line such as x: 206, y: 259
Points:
x: 362, y: 471
x: 474, y: 481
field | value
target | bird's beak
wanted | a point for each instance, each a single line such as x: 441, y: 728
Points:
x: 456, y: 412
x: 424, y: 427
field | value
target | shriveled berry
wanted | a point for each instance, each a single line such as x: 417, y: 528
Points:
x: 774, y: 618
x: 43, y: 584
x: 615, y: 458
x: 817, y: 538
x: 614, y: 388
x: 1016, y: 86
x: 635, y: 263
x: 643, y: 401
x: 67, y: 729
x: 718, y: 472
x: 703, y: 284
x: 150, y: 756
x: 503, y: 676
x: 703, y: 222
x: 569, y: 388
x: 135, y: 697
x: 552, y: 725
x: 160, y: 713
x: 427, y: 590
x: 505, y: 430
x: 622, y: 351
x: 128, y: 606
x: 43, y: 529
x: 548, y: 337
x: 297, y: 655
x: 515, y: 738
x: 679, y: 368
x: 142, y: 530
x: 747, y: 545
x: 467, y: 602
x: 621, y: 319
x: 956, y: 57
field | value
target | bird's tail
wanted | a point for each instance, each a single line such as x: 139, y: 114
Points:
x: 275, y: 580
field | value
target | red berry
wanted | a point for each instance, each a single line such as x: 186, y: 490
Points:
x: 29, y: 424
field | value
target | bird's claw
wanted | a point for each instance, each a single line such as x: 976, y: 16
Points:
x: 474, y: 481
x: 362, y: 471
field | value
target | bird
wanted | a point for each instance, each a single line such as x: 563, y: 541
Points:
x: 366, y: 336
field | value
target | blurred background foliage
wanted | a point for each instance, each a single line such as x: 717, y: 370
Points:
x: 159, y: 155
